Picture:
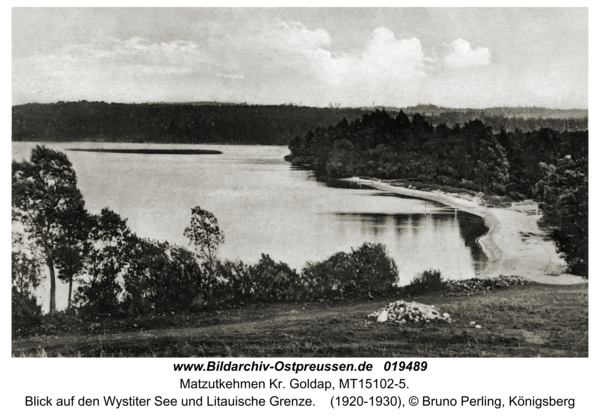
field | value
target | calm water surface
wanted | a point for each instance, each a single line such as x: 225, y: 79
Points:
x: 265, y: 206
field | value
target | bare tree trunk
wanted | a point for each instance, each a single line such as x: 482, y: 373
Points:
x: 52, y: 285
x: 134, y: 302
x: 70, y: 288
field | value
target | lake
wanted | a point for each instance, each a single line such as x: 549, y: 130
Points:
x: 264, y: 205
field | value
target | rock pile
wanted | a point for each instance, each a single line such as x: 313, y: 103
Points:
x: 478, y: 285
x: 402, y: 312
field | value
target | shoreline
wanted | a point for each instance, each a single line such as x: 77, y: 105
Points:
x: 513, y: 244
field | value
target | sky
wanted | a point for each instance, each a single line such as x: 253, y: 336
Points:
x: 454, y: 57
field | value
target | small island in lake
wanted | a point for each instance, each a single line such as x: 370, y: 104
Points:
x: 153, y: 151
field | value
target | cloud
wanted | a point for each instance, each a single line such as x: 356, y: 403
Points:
x: 268, y: 56
x: 231, y: 76
x: 295, y: 36
x: 120, y: 55
x: 382, y: 70
x: 111, y: 69
x: 462, y: 55
x: 273, y: 62
x: 262, y: 62
x: 384, y: 57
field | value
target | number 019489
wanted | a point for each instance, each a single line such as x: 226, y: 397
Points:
x: 405, y: 366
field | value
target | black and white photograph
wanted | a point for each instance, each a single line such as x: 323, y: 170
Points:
x: 339, y: 182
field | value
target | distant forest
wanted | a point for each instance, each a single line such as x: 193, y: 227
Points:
x: 242, y: 123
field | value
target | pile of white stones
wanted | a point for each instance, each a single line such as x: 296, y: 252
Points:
x: 402, y: 312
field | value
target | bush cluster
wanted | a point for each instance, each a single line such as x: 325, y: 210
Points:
x: 179, y: 283
x: 426, y: 282
x: 363, y: 271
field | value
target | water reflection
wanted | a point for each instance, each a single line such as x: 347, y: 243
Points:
x: 417, y: 241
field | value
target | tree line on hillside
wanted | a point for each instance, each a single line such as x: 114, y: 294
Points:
x: 119, y: 273
x: 525, y: 119
x: 226, y: 123
x: 545, y: 164
x: 168, y: 123
x: 499, y: 122
x: 506, y: 111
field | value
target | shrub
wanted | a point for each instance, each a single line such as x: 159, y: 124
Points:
x: 176, y: 282
x: 376, y: 270
x: 272, y: 280
x: 26, y: 312
x: 426, y: 282
x: 237, y: 278
x: 366, y: 270
x: 331, y: 277
x: 26, y: 278
x: 99, y: 298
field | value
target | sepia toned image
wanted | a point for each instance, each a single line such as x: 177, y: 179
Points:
x: 300, y: 182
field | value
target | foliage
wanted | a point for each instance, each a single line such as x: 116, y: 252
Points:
x: 108, y: 236
x: 367, y: 270
x: 204, y: 234
x: 493, y: 167
x: 146, y: 264
x: 331, y: 277
x: 342, y: 160
x: 170, y: 279
x: 74, y: 246
x: 169, y: 123
x: 564, y: 191
x: 44, y: 196
x: 426, y: 282
x: 126, y: 274
x: 469, y: 156
x: 161, y: 277
x: 26, y: 278
x: 244, y: 124
x: 177, y: 286
x: 131, y: 275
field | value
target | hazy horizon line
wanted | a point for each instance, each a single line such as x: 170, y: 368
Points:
x: 209, y: 102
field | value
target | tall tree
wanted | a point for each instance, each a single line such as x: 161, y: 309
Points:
x: 107, y: 258
x: 204, y: 234
x: 147, y: 265
x: 73, y: 246
x: 492, y: 166
x: 44, y: 192
x: 565, y: 193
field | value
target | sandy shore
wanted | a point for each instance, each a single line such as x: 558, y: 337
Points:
x: 514, y: 244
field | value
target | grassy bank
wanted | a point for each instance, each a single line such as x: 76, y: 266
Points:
x: 518, y: 321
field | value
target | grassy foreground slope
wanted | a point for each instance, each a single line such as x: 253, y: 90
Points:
x: 521, y: 321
